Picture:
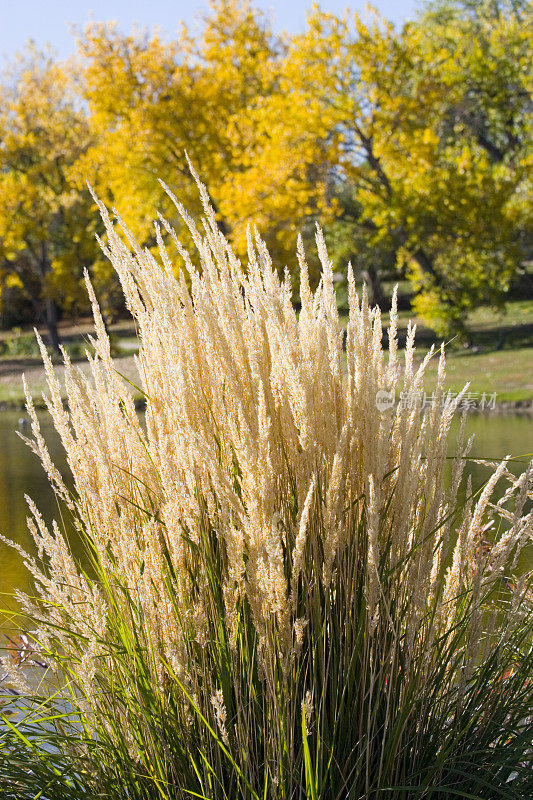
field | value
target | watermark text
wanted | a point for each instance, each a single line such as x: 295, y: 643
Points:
x: 467, y: 401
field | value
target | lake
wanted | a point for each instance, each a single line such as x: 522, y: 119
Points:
x: 21, y: 473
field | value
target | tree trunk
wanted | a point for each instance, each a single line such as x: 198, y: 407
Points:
x: 51, y: 323
x: 427, y: 266
x: 377, y: 296
x: 50, y: 305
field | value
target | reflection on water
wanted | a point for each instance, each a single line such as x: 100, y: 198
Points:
x: 21, y: 473
x: 497, y: 436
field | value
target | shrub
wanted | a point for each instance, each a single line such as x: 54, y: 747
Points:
x: 284, y: 598
x: 19, y: 344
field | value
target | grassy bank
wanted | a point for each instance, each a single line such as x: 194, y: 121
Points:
x: 11, y: 371
x: 500, y: 363
x: 21, y: 356
x: 507, y: 374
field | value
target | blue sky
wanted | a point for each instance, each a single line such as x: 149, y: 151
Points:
x: 47, y: 21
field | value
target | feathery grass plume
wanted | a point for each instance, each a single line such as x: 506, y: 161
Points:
x: 284, y: 598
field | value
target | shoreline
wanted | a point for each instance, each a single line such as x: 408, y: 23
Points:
x: 501, y: 408
x: 12, y: 397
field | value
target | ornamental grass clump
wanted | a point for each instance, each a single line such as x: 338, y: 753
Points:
x: 285, y: 599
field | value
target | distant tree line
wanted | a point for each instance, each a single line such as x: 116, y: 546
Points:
x: 411, y: 147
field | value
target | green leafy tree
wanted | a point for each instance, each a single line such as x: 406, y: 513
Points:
x: 435, y: 148
x: 351, y: 239
x: 480, y: 53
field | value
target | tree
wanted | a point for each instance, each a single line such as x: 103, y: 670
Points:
x: 46, y: 225
x: 150, y: 102
x: 349, y: 239
x: 409, y: 146
x: 480, y: 52
x: 385, y: 107
x: 287, y: 181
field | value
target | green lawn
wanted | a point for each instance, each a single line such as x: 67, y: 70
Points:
x: 509, y: 373
x: 500, y: 361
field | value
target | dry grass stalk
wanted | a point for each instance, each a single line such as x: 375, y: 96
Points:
x: 264, y: 451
